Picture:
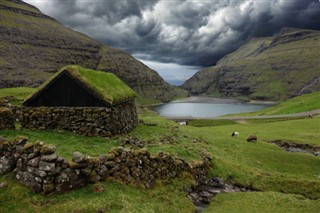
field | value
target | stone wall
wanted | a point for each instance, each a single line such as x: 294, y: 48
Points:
x: 37, y: 166
x: 88, y: 121
x: 7, y: 118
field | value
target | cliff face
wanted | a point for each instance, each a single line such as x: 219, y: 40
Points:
x: 273, y: 68
x: 34, y: 46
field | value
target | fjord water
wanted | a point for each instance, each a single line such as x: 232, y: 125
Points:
x: 203, y: 110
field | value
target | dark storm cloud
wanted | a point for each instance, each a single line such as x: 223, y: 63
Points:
x: 188, y: 32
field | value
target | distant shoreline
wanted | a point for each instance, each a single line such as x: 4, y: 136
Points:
x: 205, y: 99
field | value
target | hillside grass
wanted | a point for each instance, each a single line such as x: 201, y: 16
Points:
x: 303, y: 103
x: 287, y: 179
x: 66, y: 142
x: 271, y: 71
x: 18, y: 94
x: 115, y: 197
x: 262, y: 202
x: 260, y: 165
x: 207, y: 122
x: 19, y: 6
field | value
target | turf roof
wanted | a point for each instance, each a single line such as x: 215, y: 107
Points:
x: 103, y: 85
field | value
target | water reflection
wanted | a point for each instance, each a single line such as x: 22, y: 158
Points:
x: 206, y: 109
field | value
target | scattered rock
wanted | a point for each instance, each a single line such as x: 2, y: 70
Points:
x: 133, y: 142
x: 205, y: 191
x: 47, y: 149
x: 290, y: 146
x: 48, y: 188
x: 252, y: 138
x: 34, y: 162
x: 77, y: 157
x: 2, y: 139
x: 98, y: 187
x: 6, y: 164
x: 46, y: 166
x: 3, y: 185
x: 49, y: 157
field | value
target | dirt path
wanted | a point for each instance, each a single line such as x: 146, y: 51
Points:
x: 301, y: 114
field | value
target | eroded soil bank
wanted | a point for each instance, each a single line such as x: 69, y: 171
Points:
x: 290, y: 146
x: 205, y: 191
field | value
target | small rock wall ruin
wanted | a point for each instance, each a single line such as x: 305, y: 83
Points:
x: 89, y: 121
x: 37, y: 166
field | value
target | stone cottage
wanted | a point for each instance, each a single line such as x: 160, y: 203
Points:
x: 83, y: 101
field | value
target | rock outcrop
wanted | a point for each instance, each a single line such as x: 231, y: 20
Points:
x: 272, y: 68
x: 34, y: 46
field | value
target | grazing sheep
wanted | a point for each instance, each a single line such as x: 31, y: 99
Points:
x: 310, y: 115
x: 252, y: 138
x: 183, y: 123
x: 235, y: 134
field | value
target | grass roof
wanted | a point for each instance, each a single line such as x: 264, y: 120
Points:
x: 103, y: 85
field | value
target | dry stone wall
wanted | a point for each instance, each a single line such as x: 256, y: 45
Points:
x: 7, y: 118
x: 37, y: 166
x: 102, y: 121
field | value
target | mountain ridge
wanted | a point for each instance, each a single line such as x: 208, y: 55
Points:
x: 269, y: 68
x: 34, y: 46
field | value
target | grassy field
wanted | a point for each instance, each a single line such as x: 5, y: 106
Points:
x: 285, y: 181
x: 298, y: 104
x: 18, y: 94
x: 114, y: 198
x: 262, y: 202
x: 292, y: 177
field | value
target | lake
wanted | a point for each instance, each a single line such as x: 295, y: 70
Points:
x: 214, y: 108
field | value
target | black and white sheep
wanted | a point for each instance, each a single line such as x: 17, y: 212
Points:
x: 235, y: 134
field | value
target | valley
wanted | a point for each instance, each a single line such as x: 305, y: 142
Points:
x: 290, y: 179
x: 241, y: 136
x: 35, y: 46
x: 267, y: 69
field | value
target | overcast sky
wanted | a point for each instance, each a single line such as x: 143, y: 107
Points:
x: 179, y: 37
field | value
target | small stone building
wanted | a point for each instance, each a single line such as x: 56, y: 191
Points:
x: 83, y: 101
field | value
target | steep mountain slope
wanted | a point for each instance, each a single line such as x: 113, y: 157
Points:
x: 272, y: 68
x: 33, y: 46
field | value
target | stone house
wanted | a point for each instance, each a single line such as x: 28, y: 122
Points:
x: 83, y: 101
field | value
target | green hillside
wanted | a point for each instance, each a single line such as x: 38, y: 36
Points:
x: 273, y: 68
x: 15, y: 96
x: 303, y: 103
x: 288, y: 179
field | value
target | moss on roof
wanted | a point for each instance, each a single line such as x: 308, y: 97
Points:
x: 103, y: 85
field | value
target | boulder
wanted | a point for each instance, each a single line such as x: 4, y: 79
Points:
x: 46, y: 166
x: 252, y: 138
x: 49, y: 157
x: 2, y: 139
x: 29, y: 180
x: 6, y: 164
x: 77, y: 157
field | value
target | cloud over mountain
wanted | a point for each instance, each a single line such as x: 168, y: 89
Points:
x: 186, y: 32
